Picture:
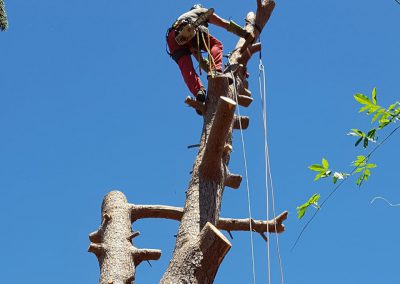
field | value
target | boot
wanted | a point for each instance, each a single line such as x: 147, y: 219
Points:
x: 201, y: 97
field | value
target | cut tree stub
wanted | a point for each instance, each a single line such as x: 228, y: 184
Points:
x: 112, y: 244
x: 116, y: 263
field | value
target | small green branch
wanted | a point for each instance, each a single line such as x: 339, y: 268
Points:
x: 3, y: 17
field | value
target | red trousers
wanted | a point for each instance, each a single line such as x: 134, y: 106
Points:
x: 185, y: 63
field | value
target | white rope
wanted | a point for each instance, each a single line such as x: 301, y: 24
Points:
x: 384, y: 199
x: 247, y: 181
x: 261, y: 67
x: 268, y: 174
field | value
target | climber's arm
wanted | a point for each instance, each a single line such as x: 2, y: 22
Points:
x: 230, y: 26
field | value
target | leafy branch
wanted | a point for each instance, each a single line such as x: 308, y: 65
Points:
x: 382, y: 117
x: 313, y: 201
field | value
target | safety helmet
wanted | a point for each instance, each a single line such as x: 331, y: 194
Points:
x: 196, y: 6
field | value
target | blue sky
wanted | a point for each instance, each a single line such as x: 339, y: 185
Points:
x: 90, y: 102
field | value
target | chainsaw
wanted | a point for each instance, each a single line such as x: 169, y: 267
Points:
x: 189, y: 30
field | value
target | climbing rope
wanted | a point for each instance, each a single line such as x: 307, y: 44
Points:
x: 268, y: 175
x: 210, y: 58
x: 247, y: 181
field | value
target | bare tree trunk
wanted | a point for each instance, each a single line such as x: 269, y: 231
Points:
x: 204, y: 195
x: 112, y: 245
x: 189, y: 263
x: 3, y: 16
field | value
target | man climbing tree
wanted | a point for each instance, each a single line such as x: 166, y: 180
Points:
x: 200, y: 247
x: 189, y: 35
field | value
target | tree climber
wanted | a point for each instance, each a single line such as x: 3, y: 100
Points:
x: 189, y: 35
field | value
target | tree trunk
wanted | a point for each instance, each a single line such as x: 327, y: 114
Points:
x: 204, y: 195
x: 210, y: 172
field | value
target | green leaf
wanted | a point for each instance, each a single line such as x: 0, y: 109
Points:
x: 358, y: 170
x: 371, y: 134
x: 385, y: 116
x: 373, y: 109
x: 314, y: 199
x: 362, y: 99
x: 379, y: 113
x: 316, y: 167
x: 365, y: 145
x: 392, y: 106
x: 383, y: 123
x: 360, y: 180
x: 361, y: 160
x: 358, y: 141
x: 371, y: 166
x: 318, y: 176
x: 301, y: 212
x: 325, y: 163
x: 364, y: 108
x: 374, y: 96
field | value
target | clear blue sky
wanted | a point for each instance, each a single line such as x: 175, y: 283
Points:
x: 90, y: 102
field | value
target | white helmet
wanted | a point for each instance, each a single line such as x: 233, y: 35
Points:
x: 196, y: 6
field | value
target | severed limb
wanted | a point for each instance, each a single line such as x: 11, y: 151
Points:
x: 195, y: 104
x: 227, y: 224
